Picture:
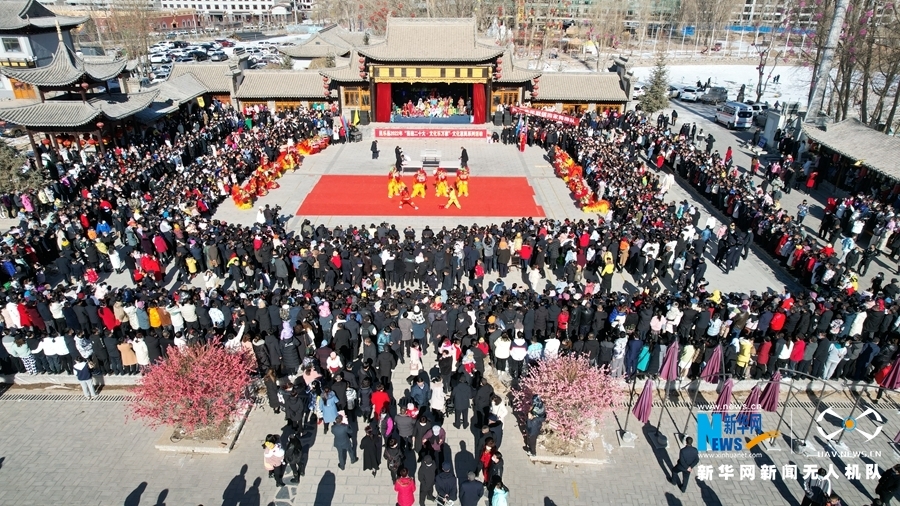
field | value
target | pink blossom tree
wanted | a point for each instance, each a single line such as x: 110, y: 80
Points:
x: 577, y: 396
x: 198, y: 387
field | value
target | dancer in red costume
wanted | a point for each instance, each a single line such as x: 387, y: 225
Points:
x: 405, y: 198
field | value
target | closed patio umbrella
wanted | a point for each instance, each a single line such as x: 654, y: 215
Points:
x: 724, y: 399
x: 769, y: 400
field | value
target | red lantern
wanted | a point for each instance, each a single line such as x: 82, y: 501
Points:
x: 362, y: 60
x: 536, y: 87
x: 499, y: 61
x: 327, y: 93
x: 45, y: 142
x: 362, y: 74
x: 325, y: 79
x: 100, y: 125
x: 499, y: 68
x: 537, y: 79
x: 92, y: 142
x: 85, y: 86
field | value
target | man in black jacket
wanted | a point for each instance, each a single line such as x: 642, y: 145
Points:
x: 427, y: 477
x: 888, y: 484
x: 471, y: 491
x: 445, y: 484
x: 462, y: 396
x: 482, y: 403
x: 688, y: 458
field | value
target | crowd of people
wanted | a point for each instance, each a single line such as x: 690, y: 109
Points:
x: 330, y: 314
x: 433, y: 106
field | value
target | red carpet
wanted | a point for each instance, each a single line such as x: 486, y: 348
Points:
x: 367, y: 196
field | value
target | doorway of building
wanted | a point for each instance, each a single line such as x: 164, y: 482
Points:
x: 437, y: 100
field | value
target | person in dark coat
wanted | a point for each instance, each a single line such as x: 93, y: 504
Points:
x: 471, y: 491
x: 296, y: 456
x: 273, y: 348
x: 115, y: 357
x: 153, y: 350
x: 888, y: 484
x: 688, y: 458
x: 342, y: 442
x: 461, y: 397
x: 427, y: 476
x: 445, y: 484
x: 482, y: 403
x: 295, y: 404
x: 371, y: 448
x: 101, y: 357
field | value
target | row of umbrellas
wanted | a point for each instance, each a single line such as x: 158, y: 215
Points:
x: 766, y: 399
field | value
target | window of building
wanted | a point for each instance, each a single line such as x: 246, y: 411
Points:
x: 505, y: 96
x: 11, y: 45
x: 356, y: 97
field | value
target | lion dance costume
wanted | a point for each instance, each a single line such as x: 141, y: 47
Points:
x: 462, y: 182
x: 419, y: 184
x: 394, y: 182
x: 441, y: 188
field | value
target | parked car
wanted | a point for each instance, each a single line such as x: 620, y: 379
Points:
x: 689, y: 94
x: 675, y: 90
x: 758, y: 108
x: 160, y: 58
x: 734, y: 115
x: 198, y: 55
x: 8, y: 129
x: 184, y: 59
x: 217, y: 56
x: 638, y: 91
x: 225, y: 42
x: 714, y: 95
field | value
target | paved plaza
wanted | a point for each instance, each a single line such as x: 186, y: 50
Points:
x: 85, y: 453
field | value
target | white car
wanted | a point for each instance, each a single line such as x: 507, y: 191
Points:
x: 639, y: 91
x: 159, y: 58
x: 689, y: 94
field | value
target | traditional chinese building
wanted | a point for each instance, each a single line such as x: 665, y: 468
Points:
x: 427, y: 58
x: 28, y: 32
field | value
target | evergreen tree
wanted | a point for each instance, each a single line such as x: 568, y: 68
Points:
x: 15, y: 174
x: 657, y: 96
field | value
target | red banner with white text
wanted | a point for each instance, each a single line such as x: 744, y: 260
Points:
x: 550, y: 115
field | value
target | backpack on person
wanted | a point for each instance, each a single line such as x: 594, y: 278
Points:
x: 537, y: 407
x: 351, y: 398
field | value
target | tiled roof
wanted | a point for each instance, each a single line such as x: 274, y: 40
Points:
x: 437, y: 40
x: 18, y: 14
x: 264, y: 84
x: 856, y: 141
x: 346, y: 73
x: 512, y: 73
x: 180, y: 89
x: 118, y: 106
x: 315, y: 47
x: 74, y: 113
x: 217, y: 77
x: 66, y: 68
x: 50, y: 114
x: 581, y: 86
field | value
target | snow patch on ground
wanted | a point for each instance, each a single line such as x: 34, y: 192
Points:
x: 794, y: 85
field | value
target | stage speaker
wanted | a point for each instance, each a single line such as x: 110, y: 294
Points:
x: 507, y: 118
x: 498, y: 118
x: 363, y: 117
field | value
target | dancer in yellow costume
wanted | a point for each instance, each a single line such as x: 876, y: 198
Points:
x: 440, y: 183
x: 419, y: 185
x: 394, y: 182
x: 453, y: 201
x: 462, y: 182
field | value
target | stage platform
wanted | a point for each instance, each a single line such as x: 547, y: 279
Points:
x: 367, y: 196
x: 452, y: 120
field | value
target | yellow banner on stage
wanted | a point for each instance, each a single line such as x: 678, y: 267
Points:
x: 430, y: 74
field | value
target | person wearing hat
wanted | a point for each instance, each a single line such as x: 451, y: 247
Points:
x: 445, y: 484
x: 427, y: 475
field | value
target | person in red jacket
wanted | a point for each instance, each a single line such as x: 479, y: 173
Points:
x: 380, y: 399
x: 763, y: 355
x: 525, y: 256
x: 405, y: 487
x: 777, y: 323
x: 562, y: 322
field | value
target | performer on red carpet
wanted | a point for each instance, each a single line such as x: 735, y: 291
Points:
x: 405, y: 197
x: 522, y: 138
x: 440, y: 183
x: 452, y: 200
x: 419, y: 185
x: 394, y: 182
x: 462, y: 182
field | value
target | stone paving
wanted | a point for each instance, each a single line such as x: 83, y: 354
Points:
x: 77, y: 452
x: 85, y: 453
